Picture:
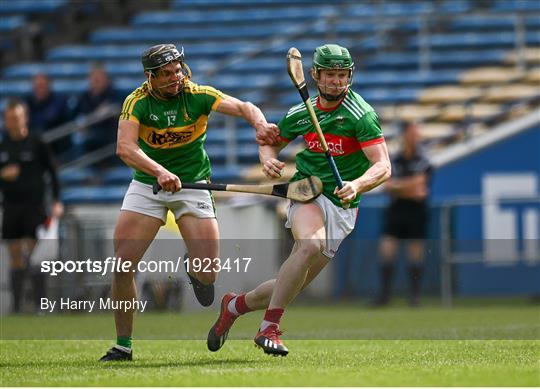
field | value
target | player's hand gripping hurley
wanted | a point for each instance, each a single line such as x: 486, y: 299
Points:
x: 294, y: 67
x: 303, y: 190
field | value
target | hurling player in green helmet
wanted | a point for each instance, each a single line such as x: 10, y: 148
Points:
x: 161, y: 135
x: 355, y: 139
x: 332, y: 57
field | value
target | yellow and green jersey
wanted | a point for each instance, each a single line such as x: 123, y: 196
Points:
x: 173, y: 132
x: 347, y: 128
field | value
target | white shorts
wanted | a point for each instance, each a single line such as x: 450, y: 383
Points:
x: 140, y: 198
x: 338, y: 222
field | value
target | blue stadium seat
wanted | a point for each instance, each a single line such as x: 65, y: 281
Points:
x: 260, y: 65
x: 94, y: 53
x: 217, y: 153
x: 533, y: 23
x: 134, y: 51
x: 307, y: 46
x: 439, y: 60
x: 475, y: 40
x: 182, y: 4
x: 31, y: 6
x: 393, y: 9
x: 372, y: 96
x: 246, y: 153
x: 354, y: 27
x: 76, y: 177
x: 408, y: 26
x: 174, y: 18
x: 27, y: 70
x: 217, y: 135
x: 371, y: 43
x: 454, y: 6
x: 392, y: 61
x: 406, y: 78
x: 126, y: 85
x: 126, y: 35
x: 515, y: 5
x: 70, y: 86
x: 66, y: 86
x: 483, y: 23
x: 360, y: 9
x: 72, y: 69
x: 456, y: 59
x: 117, y: 175
x: 389, y: 96
x: 9, y: 23
x: 94, y: 195
x: 257, y: 97
x: 479, y: 23
x: 407, y: 8
x: 238, y: 82
x: 15, y: 88
x: 225, y: 174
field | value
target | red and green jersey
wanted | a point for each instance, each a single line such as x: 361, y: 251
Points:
x: 173, y: 132
x: 347, y: 128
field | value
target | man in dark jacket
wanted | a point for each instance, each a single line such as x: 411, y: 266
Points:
x: 406, y: 218
x: 24, y: 162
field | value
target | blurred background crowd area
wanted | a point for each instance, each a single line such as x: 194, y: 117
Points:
x: 457, y: 66
x: 460, y: 68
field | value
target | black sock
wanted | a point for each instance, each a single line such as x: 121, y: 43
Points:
x: 17, y: 287
x: 387, y: 276
x: 415, y: 278
x: 39, y: 286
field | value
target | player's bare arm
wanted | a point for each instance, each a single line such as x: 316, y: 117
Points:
x: 128, y: 150
x: 379, y: 171
x: 267, y: 133
x: 271, y: 166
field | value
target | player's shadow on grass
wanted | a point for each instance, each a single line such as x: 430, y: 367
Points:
x: 138, y: 363
x: 199, y: 363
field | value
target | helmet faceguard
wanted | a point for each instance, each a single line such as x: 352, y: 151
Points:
x: 161, y: 55
x: 332, y: 57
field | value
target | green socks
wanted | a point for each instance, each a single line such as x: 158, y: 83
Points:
x: 124, y: 341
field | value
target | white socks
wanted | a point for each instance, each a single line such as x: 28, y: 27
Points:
x: 265, y: 324
x: 232, y: 307
x: 122, y: 348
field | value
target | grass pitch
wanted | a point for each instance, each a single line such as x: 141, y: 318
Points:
x: 341, y: 345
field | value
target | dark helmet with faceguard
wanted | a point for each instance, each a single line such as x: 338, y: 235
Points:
x: 160, y: 55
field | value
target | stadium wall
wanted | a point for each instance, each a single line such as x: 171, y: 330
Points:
x: 499, y: 238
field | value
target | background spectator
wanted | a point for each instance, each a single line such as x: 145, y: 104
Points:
x: 24, y: 161
x: 48, y: 110
x: 99, y: 94
x: 406, y: 217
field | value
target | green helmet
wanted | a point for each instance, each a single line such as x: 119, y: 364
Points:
x: 332, y: 56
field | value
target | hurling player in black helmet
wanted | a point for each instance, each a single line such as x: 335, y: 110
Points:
x: 161, y: 135
x: 158, y: 56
